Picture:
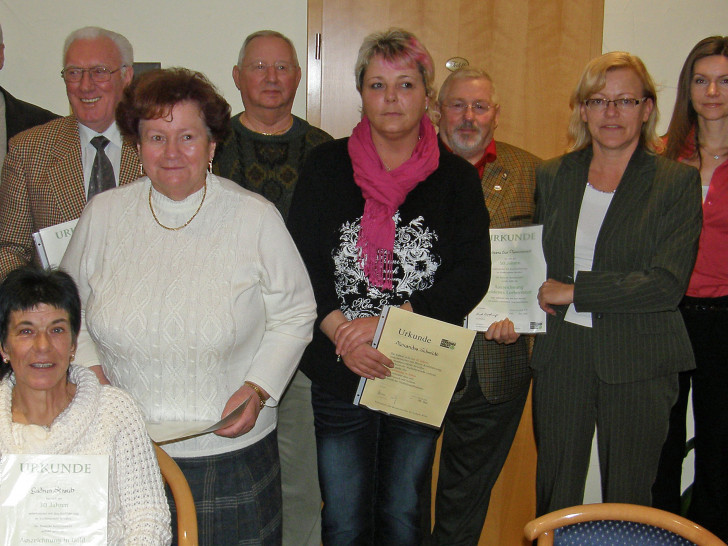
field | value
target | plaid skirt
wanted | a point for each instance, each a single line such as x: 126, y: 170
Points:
x: 237, y: 495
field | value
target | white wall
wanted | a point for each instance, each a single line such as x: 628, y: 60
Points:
x: 661, y: 33
x: 204, y: 36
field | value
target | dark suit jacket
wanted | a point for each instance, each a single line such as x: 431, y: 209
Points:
x: 509, y: 185
x: 42, y: 185
x: 21, y: 115
x: 643, y: 258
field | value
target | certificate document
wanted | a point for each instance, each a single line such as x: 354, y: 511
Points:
x: 54, y: 499
x: 428, y: 357
x: 518, y: 269
x: 51, y: 242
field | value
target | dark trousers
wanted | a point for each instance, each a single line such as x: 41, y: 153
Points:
x: 631, y: 420
x: 667, y: 489
x: 706, y: 320
x: 476, y: 439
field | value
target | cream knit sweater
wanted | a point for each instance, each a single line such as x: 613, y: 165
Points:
x: 101, y: 421
x: 180, y: 319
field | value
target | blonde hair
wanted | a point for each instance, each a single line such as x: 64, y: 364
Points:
x: 593, y: 80
x: 398, y: 46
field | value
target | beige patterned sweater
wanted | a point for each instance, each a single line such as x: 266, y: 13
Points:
x: 101, y: 421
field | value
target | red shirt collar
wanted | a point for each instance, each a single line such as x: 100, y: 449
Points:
x: 489, y: 156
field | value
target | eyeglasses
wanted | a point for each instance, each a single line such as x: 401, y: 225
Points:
x: 99, y: 74
x: 478, y: 108
x: 280, y: 67
x: 620, y: 104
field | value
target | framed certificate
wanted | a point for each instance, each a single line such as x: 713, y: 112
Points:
x: 54, y: 499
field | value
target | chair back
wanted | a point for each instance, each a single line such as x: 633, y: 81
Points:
x: 615, y: 523
x: 183, y: 501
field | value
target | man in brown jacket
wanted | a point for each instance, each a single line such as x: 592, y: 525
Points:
x: 485, y: 411
x: 45, y: 178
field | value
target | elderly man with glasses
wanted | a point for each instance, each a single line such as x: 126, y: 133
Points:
x: 50, y: 171
x: 483, y: 416
x: 264, y: 153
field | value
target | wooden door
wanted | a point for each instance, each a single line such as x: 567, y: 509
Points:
x: 535, y: 51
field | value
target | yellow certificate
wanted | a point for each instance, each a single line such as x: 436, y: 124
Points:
x: 428, y: 357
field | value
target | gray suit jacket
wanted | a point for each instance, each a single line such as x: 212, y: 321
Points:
x: 643, y: 258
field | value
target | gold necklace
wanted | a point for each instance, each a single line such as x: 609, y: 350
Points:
x: 282, y: 131
x: 187, y: 223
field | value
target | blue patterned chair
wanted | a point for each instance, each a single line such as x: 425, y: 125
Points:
x: 612, y: 524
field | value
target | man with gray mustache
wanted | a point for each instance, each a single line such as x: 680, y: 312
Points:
x: 483, y: 416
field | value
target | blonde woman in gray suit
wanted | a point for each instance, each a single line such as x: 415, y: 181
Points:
x: 621, y: 228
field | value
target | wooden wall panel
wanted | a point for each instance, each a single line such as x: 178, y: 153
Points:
x: 533, y: 49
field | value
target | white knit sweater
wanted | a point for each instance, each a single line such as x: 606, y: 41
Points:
x: 101, y: 421
x: 180, y: 319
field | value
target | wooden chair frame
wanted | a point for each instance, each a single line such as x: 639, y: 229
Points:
x: 184, y: 503
x: 542, y: 528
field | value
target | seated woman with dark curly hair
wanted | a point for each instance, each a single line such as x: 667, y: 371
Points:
x: 48, y: 406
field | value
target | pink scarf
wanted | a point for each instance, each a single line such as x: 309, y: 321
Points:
x: 384, y: 191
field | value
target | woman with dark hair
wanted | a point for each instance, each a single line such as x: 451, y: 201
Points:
x: 698, y: 136
x: 620, y: 233
x: 48, y: 406
x: 385, y: 217
x: 195, y: 300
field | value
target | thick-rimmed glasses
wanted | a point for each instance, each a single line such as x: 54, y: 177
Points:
x: 620, y: 104
x: 99, y: 74
x: 281, y: 67
x: 478, y: 108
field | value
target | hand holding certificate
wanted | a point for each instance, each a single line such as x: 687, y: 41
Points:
x: 518, y: 269
x: 174, y: 431
x: 428, y: 357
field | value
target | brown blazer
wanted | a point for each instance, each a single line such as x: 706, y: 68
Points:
x: 509, y: 185
x: 42, y: 185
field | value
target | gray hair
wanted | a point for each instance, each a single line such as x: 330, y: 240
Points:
x: 466, y: 73
x: 91, y: 33
x: 264, y: 34
x: 1, y: 35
